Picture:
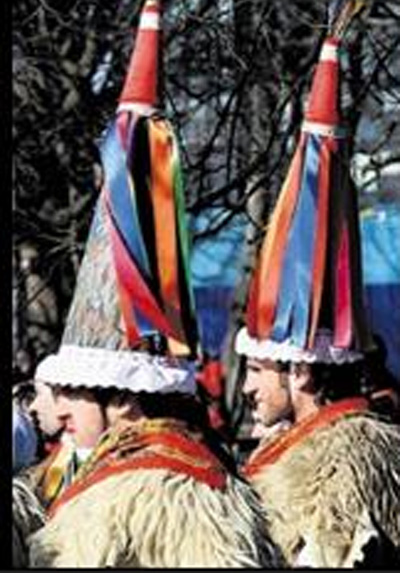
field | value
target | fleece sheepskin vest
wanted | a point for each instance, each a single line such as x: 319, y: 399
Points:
x: 153, y: 495
x: 330, y: 485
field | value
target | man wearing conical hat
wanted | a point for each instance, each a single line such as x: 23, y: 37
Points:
x: 158, y: 490
x: 327, y: 469
x: 36, y: 485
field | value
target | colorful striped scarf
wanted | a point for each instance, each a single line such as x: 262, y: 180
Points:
x: 148, y: 444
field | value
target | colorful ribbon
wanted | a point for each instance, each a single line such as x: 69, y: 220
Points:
x: 143, y: 195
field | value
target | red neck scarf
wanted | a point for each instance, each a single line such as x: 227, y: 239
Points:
x: 270, y: 452
x: 147, y: 444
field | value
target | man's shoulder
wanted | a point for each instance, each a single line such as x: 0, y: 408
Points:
x: 364, y: 427
x: 359, y: 445
x: 339, y: 429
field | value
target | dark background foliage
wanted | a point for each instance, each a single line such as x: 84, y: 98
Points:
x: 235, y: 76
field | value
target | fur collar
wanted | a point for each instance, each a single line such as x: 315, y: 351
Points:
x: 148, y: 444
x: 270, y: 452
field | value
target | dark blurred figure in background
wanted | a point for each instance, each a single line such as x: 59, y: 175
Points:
x: 24, y: 437
x: 28, y: 513
x: 42, y: 408
x: 382, y: 387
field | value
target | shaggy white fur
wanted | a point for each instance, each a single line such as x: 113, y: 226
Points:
x: 157, y: 518
x: 321, y: 494
x: 28, y: 517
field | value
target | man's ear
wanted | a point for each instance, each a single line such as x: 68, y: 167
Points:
x: 117, y: 408
x: 300, y: 376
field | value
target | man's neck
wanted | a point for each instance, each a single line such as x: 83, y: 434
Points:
x: 305, y: 407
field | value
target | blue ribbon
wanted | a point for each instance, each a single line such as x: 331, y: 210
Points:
x: 293, y: 309
x: 122, y: 198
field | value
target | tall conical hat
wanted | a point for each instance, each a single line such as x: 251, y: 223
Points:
x: 306, y: 298
x: 141, y: 81
x: 133, y: 289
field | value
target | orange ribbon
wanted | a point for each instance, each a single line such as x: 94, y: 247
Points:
x: 162, y: 192
x: 265, y: 288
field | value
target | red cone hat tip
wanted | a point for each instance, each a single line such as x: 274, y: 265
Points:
x: 323, y: 109
x: 140, y: 89
x: 329, y: 52
x: 150, y: 17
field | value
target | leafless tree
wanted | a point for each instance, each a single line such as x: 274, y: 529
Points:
x: 235, y: 77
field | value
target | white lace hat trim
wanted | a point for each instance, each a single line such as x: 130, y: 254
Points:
x: 329, y: 53
x: 123, y: 369
x: 286, y: 351
x: 137, y: 107
x: 149, y: 21
x: 325, y: 129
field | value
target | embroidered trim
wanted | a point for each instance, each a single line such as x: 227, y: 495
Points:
x: 55, y: 473
x: 147, y: 446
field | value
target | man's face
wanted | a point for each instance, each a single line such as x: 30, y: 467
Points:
x: 81, y: 415
x: 268, y: 391
x: 43, y: 410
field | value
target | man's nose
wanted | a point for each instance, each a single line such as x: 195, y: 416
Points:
x: 62, y: 409
x: 32, y: 406
x: 248, y: 386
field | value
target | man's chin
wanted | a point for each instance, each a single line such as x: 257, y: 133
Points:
x: 259, y: 430
x: 262, y: 431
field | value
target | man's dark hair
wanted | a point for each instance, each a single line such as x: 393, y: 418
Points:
x: 178, y: 406
x: 334, y: 382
